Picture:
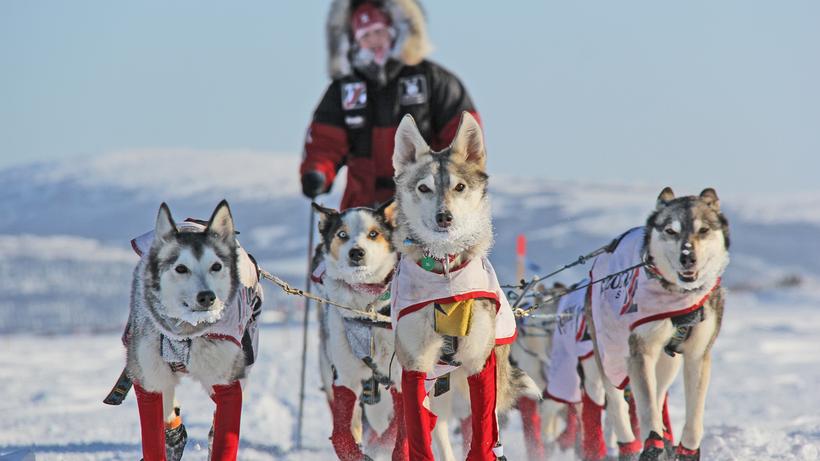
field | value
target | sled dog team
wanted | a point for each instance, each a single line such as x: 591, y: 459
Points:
x: 447, y: 347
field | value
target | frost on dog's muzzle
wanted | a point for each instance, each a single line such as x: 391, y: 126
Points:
x: 197, y: 317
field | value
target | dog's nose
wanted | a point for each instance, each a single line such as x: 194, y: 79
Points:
x: 687, y: 258
x: 205, y: 298
x: 444, y: 218
x: 356, y: 254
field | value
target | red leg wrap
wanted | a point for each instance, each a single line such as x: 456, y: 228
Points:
x: 531, y: 420
x: 227, y: 418
x: 419, y: 421
x: 567, y: 438
x: 344, y: 400
x: 593, y: 447
x: 400, y: 449
x: 482, y: 408
x: 152, y: 424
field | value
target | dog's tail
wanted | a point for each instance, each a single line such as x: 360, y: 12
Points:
x: 512, y: 382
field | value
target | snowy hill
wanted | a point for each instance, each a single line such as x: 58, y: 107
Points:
x: 66, y: 262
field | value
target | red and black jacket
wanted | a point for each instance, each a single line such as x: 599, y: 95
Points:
x: 356, y: 121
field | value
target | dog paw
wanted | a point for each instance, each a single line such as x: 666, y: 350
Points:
x: 684, y: 454
x: 175, y: 440
x: 653, y: 448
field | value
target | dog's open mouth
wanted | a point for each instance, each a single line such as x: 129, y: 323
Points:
x: 198, y: 308
x: 688, y: 276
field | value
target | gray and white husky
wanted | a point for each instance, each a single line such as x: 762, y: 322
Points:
x: 444, y: 226
x: 194, y: 301
x: 353, y: 267
x: 666, y: 313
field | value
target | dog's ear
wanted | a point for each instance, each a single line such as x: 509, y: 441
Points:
x: 326, y: 216
x: 665, y: 197
x: 165, y: 226
x: 468, y: 143
x: 709, y: 196
x: 409, y: 144
x: 388, y: 210
x: 221, y: 222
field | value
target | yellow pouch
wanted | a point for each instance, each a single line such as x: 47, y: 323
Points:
x: 453, y: 319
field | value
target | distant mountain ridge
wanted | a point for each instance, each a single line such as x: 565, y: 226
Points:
x: 65, y: 260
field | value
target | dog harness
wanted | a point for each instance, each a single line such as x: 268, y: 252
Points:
x: 570, y: 344
x: 359, y: 331
x: 238, y: 322
x: 453, y: 294
x: 414, y: 288
x: 626, y: 301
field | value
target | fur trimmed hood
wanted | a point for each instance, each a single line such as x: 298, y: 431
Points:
x: 411, y: 45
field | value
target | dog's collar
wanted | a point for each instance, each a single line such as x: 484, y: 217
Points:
x: 428, y: 261
x: 371, y: 288
x: 366, y: 288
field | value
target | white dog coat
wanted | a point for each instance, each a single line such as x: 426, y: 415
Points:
x: 413, y: 288
x: 238, y: 322
x: 570, y: 344
x: 622, y: 303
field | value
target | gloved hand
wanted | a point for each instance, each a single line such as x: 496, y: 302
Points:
x: 313, y: 184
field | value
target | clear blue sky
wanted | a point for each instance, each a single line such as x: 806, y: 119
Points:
x: 688, y: 93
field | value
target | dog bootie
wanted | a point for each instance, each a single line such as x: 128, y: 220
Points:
x: 175, y: 439
x: 482, y: 407
x: 531, y: 420
x: 568, y: 438
x: 227, y: 418
x: 684, y: 454
x: 629, y: 451
x: 653, y: 448
x: 152, y: 424
x: 593, y: 447
x: 419, y: 421
x: 344, y: 399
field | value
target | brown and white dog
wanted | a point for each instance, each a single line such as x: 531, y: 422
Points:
x: 448, y: 311
x: 353, y: 267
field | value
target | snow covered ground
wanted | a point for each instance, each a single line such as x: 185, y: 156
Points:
x: 65, y: 267
x: 763, y: 402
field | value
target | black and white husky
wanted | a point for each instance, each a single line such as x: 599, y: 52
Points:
x: 353, y: 267
x: 448, y: 311
x: 649, y: 320
x: 194, y: 301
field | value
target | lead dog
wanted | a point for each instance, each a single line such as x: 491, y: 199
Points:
x: 354, y: 265
x: 448, y: 310
x: 194, y: 301
x: 644, y: 320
